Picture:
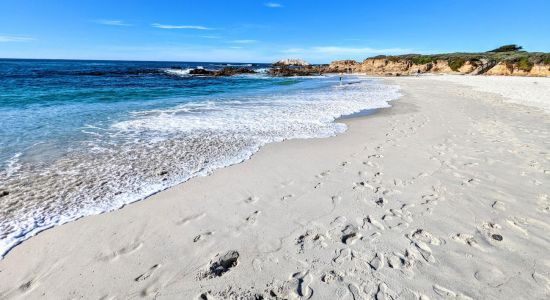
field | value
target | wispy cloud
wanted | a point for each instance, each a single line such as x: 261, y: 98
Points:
x: 328, y: 53
x: 235, y: 47
x: 244, y: 41
x: 352, y: 50
x: 165, y: 26
x: 15, y: 38
x: 112, y: 22
x: 210, y: 37
x: 273, y: 5
x: 293, y: 50
x: 338, y: 50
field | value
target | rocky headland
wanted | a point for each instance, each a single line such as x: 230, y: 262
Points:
x: 505, y: 60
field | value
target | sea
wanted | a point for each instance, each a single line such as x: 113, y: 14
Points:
x: 79, y: 138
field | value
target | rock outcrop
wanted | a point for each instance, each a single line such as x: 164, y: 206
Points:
x: 291, y: 62
x: 309, y: 70
x: 343, y: 66
x: 221, y: 72
x: 395, y: 66
x: 505, y: 60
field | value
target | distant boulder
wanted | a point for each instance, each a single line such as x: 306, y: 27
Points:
x: 233, y: 71
x: 291, y: 62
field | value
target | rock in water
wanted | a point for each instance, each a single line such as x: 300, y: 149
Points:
x: 291, y: 62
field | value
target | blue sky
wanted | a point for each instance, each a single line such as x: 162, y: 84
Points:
x: 264, y: 31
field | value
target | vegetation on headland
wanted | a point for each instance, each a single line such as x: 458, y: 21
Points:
x: 507, y: 54
x: 507, y: 48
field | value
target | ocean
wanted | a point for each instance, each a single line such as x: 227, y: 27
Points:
x: 84, y: 137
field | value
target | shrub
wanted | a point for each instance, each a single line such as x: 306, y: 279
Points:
x: 393, y: 58
x: 507, y: 48
x: 422, y: 60
x: 524, y: 64
x: 456, y: 62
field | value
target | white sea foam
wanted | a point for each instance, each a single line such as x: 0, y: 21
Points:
x: 177, y: 72
x: 164, y: 147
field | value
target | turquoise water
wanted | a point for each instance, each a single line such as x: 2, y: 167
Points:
x: 85, y: 137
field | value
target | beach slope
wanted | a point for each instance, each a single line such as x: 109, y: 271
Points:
x: 445, y: 195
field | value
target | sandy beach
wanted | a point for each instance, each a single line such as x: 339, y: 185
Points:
x: 445, y: 195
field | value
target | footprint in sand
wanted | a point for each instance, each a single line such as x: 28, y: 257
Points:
x: 356, y: 293
x: 519, y: 224
x: 332, y: 276
x: 544, y: 203
x: 377, y: 263
x: 252, y: 218
x: 424, y: 236
x: 286, y: 197
x: 147, y: 274
x: 362, y: 185
x: 297, y: 287
x: 323, y: 174
x: 221, y: 264
x: 286, y: 184
x: 311, y: 239
x: 384, y: 292
x: 370, y: 220
x: 342, y: 256
x: 396, y: 261
x: 491, y: 276
x: 447, y: 293
x: 430, y: 199
x: 126, y: 250
x: 425, y: 251
x: 498, y: 205
x: 350, y: 235
x: 251, y: 199
x: 202, y: 236
x: 336, y: 200
x: 467, y: 239
x: 186, y: 220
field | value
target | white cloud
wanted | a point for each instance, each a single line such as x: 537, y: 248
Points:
x: 210, y: 37
x: 244, y: 41
x: 273, y: 5
x: 15, y: 38
x: 164, y: 26
x: 235, y: 47
x: 112, y: 22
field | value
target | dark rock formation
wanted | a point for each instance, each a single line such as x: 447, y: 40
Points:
x: 223, y: 72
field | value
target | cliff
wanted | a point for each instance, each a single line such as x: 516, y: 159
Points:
x: 495, y: 62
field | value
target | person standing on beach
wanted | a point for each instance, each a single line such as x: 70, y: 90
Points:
x: 341, y: 74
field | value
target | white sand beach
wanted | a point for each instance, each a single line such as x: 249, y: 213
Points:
x: 445, y: 195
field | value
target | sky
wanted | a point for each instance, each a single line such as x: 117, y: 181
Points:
x: 318, y: 31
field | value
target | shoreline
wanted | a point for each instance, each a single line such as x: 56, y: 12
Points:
x: 359, y: 114
x: 114, y: 193
x: 358, y: 215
